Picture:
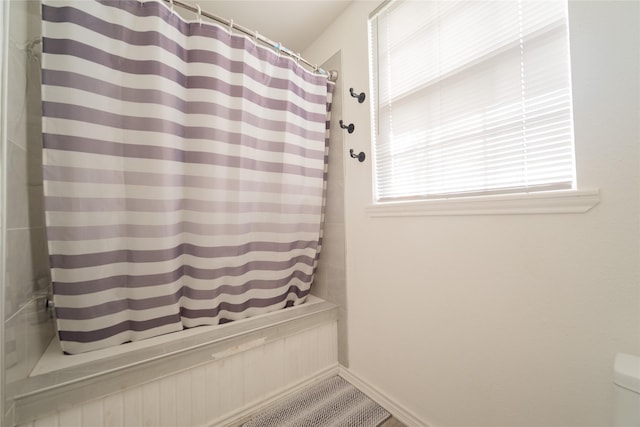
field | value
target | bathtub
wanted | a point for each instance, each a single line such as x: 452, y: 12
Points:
x: 225, y: 370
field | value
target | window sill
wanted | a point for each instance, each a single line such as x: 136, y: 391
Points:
x: 551, y: 202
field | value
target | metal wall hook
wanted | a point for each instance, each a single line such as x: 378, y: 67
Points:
x: 361, y: 96
x: 360, y: 156
x: 349, y: 128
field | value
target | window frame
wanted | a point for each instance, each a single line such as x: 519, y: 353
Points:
x: 541, y: 202
x: 573, y: 200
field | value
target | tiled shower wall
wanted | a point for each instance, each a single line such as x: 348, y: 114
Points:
x: 26, y: 280
x: 330, y: 280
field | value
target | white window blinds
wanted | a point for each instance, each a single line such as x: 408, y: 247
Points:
x: 472, y: 97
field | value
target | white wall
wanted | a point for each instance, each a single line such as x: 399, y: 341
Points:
x: 503, y: 320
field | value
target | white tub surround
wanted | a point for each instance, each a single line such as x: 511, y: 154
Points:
x: 195, y: 377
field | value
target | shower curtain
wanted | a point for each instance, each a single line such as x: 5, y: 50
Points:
x: 184, y: 167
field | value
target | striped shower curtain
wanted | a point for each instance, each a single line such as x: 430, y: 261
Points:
x: 184, y: 172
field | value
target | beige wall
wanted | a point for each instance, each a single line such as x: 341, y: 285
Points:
x: 513, y: 319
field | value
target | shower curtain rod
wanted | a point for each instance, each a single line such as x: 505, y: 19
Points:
x: 332, y: 75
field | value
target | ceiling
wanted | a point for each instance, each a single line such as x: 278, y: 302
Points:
x: 293, y: 23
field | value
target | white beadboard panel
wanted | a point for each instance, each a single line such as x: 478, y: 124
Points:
x: 132, y: 407
x: 168, y: 410
x: 333, y: 344
x: 72, y: 384
x: 113, y: 407
x: 212, y: 377
x: 183, y: 398
x: 253, y: 375
x: 92, y: 414
x: 219, y: 392
x: 327, y: 339
x: 198, y: 396
x: 151, y: 404
x: 293, y: 357
x: 312, y: 345
x: 46, y: 422
x: 70, y: 418
x: 274, y: 360
x: 231, y: 383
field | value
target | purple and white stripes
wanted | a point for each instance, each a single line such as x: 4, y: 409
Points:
x: 184, y: 170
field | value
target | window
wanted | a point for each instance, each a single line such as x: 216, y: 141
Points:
x: 471, y: 98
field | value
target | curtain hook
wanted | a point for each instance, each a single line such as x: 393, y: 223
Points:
x: 298, y: 58
x: 230, y: 27
x: 172, y: 11
x: 278, y: 48
x: 255, y: 37
x: 199, y: 14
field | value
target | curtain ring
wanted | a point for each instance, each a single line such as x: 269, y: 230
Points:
x: 278, y: 48
x: 199, y: 14
x: 230, y: 26
x: 172, y: 11
x: 255, y: 37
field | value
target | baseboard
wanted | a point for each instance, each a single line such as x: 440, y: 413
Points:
x: 398, y: 411
x: 242, y: 415
x: 401, y: 413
